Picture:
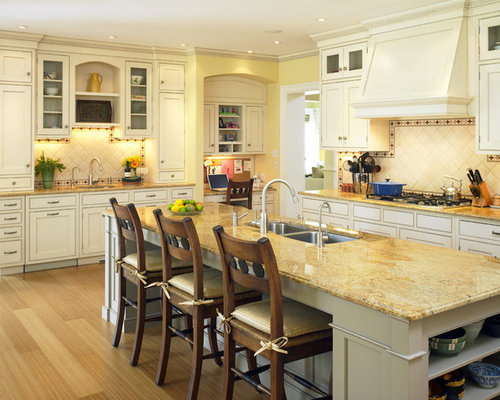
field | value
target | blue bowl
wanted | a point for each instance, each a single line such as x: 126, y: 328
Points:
x: 484, y: 374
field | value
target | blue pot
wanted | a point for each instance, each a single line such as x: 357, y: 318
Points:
x: 387, y: 188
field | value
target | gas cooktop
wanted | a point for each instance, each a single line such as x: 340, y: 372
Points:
x: 423, y: 199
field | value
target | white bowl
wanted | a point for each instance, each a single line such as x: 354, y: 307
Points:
x: 51, y: 91
x: 137, y: 79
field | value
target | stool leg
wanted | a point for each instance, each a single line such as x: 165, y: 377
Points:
x: 252, y: 364
x: 166, y: 340
x: 189, y: 325
x: 122, y: 284
x: 212, y: 338
x: 139, y: 327
x: 277, y: 376
x: 194, y: 383
x: 229, y: 362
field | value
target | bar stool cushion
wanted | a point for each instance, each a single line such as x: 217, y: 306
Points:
x: 212, y: 284
x: 298, y: 319
x: 154, y: 261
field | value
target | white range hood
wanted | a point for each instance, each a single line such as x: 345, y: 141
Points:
x: 420, y: 71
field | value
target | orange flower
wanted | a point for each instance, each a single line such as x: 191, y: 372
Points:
x: 134, y: 164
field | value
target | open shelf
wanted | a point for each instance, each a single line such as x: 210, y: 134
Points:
x: 483, y: 346
x: 97, y: 94
x: 474, y: 392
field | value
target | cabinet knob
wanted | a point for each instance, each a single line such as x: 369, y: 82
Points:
x: 13, y: 182
x: 162, y: 162
x: 28, y: 73
x: 345, y: 138
x: 27, y: 165
x: 345, y: 68
x: 340, y: 137
x: 172, y: 175
x: 128, y: 127
x: 249, y: 145
x: 162, y: 82
x: 65, y: 126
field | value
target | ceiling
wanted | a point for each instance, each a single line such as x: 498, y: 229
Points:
x: 218, y: 24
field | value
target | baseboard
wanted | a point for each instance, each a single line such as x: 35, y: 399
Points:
x: 51, y: 265
x: 18, y: 269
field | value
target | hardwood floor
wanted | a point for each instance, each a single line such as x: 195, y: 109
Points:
x: 54, y: 345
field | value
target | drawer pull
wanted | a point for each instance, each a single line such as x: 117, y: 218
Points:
x: 10, y: 205
x: 10, y: 252
x: 52, y: 214
x: 151, y: 195
x: 181, y: 193
x: 10, y: 233
x: 10, y: 219
x: 495, y: 233
x: 53, y: 202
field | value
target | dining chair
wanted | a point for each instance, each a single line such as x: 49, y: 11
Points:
x: 240, y: 190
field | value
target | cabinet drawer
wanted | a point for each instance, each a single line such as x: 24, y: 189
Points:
x: 103, y: 198
x: 257, y: 197
x: 372, y: 213
x: 172, y: 176
x: 486, y: 249
x: 398, y: 217
x: 216, y: 198
x: 327, y: 219
x: 480, y: 230
x: 376, y: 229
x: 10, y: 252
x: 52, y: 202
x: 10, y: 204
x: 15, y: 183
x: 433, y: 223
x: 337, y: 207
x: 150, y: 195
x: 426, y: 238
x: 182, y: 193
x: 15, y: 218
x: 11, y: 232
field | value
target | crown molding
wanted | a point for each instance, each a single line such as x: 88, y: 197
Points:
x: 30, y: 37
x: 299, y: 55
x: 232, y: 54
x: 336, y: 33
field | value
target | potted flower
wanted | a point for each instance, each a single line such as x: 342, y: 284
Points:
x: 133, y: 163
x: 46, y: 167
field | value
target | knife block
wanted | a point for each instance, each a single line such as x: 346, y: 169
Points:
x: 484, y: 200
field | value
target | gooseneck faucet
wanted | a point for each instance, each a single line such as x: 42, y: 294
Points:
x: 320, y: 242
x: 263, y: 214
x: 91, y: 176
x: 73, y: 176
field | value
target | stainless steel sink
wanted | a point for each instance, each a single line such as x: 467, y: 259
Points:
x: 312, y: 237
x: 282, y: 228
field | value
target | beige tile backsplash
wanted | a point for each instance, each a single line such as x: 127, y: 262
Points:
x: 84, y: 146
x: 423, y: 154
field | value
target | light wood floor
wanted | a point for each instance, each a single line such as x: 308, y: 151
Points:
x: 54, y: 345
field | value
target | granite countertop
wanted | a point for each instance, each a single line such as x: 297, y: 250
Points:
x: 103, y: 187
x: 466, y: 211
x: 406, y: 279
x: 207, y: 191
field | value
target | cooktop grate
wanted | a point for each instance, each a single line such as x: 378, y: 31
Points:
x: 423, y: 199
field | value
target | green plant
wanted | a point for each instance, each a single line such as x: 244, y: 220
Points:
x: 47, y: 165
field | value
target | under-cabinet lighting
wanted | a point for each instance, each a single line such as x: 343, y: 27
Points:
x: 321, y: 19
x: 277, y: 42
x: 250, y: 51
x: 23, y: 26
x: 183, y: 44
x: 112, y: 37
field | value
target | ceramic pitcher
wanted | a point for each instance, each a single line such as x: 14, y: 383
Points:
x: 95, y: 82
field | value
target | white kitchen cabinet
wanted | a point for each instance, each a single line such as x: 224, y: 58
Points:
x: 254, y: 129
x: 230, y: 128
x: 138, y: 115
x: 53, y: 96
x: 15, y: 66
x: 489, y: 38
x: 16, y: 138
x: 172, y: 135
x: 488, y: 123
x: 342, y: 62
x: 209, y: 125
x: 377, y: 229
x: 11, y: 233
x: 426, y: 238
x: 171, y: 77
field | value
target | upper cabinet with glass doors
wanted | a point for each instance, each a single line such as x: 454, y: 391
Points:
x: 343, y: 62
x: 489, y: 38
x: 53, y: 96
x: 139, y: 91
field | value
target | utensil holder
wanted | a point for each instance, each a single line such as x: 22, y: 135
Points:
x: 361, y: 182
x: 484, y: 199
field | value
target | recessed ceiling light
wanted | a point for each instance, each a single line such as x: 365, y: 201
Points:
x: 273, y: 31
x: 111, y: 37
x: 250, y: 51
x: 23, y: 26
x: 321, y: 19
x: 277, y: 42
x: 183, y: 44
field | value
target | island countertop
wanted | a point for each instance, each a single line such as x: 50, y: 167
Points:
x: 405, y: 279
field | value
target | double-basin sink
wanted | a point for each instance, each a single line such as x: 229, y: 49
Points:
x: 305, y: 234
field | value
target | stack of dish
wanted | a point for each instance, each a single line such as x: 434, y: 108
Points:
x: 492, y: 325
x: 472, y: 330
x: 448, y: 343
x: 454, y: 384
x: 484, y: 374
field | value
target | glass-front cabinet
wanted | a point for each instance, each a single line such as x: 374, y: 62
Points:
x: 342, y: 62
x: 53, y: 96
x: 489, y: 38
x: 138, y: 115
x: 230, y: 133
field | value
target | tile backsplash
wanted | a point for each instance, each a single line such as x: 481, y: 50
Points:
x: 85, y: 145
x: 424, y: 153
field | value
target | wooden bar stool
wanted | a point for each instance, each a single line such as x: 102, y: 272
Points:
x: 277, y: 328
x: 142, y: 268
x: 198, y: 294
x: 240, y: 190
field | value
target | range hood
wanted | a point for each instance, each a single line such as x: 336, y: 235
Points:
x: 420, y: 71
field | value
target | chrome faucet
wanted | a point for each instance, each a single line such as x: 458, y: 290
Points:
x: 73, y: 176
x: 263, y: 213
x: 91, y: 176
x: 320, y: 242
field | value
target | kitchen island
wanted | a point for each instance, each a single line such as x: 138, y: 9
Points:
x: 386, y: 297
